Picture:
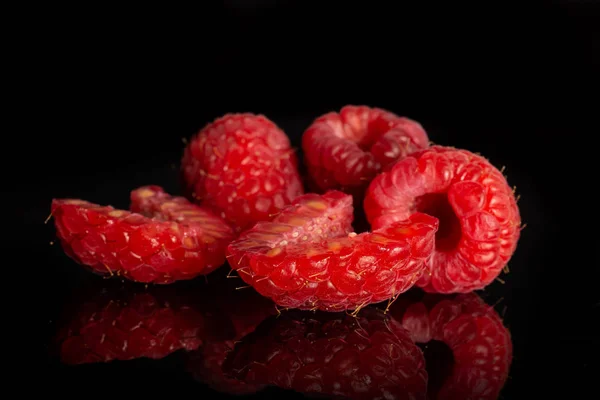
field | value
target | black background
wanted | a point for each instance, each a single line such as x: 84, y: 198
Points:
x: 112, y: 93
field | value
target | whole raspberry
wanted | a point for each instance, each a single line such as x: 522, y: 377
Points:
x: 479, y: 346
x: 242, y: 166
x: 345, y: 150
x: 124, y: 324
x: 479, y: 221
x: 369, y: 356
x: 177, y: 240
x: 309, y: 258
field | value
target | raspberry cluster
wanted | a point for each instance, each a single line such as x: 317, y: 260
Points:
x: 441, y: 219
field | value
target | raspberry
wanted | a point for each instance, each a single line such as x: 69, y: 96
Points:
x: 153, y: 202
x: 180, y: 241
x: 480, y: 345
x: 242, y: 166
x: 308, y: 258
x: 345, y: 150
x: 479, y: 221
x: 124, y: 325
x: 369, y: 356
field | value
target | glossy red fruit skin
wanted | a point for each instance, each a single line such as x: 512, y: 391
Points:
x: 113, y: 242
x: 308, y: 258
x: 129, y: 326
x: 346, y: 150
x: 367, y: 356
x: 242, y: 167
x: 481, y: 200
x: 479, y: 341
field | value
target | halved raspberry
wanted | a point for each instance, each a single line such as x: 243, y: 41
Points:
x: 369, y: 356
x: 479, y: 221
x: 478, y: 347
x: 242, y: 166
x: 117, y: 324
x: 143, y: 249
x: 309, y: 258
x: 345, y: 150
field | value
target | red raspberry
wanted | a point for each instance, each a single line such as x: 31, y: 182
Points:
x: 369, y: 356
x: 479, y: 218
x: 182, y: 241
x: 308, y: 258
x: 345, y: 151
x: 124, y: 325
x: 471, y: 330
x: 242, y: 166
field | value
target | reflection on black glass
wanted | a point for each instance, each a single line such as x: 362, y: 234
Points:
x: 117, y: 324
x: 237, y: 342
x: 245, y: 309
x: 127, y: 321
x: 367, y: 356
x: 467, y: 348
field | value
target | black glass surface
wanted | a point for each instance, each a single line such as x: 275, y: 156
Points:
x: 116, y: 112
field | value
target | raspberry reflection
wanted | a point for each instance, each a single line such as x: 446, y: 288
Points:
x: 124, y: 321
x: 367, y: 356
x: 467, y: 348
x: 235, y: 341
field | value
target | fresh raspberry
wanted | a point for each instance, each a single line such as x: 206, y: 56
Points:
x: 181, y: 241
x: 369, y: 356
x: 345, y: 150
x: 242, y: 166
x: 479, y: 221
x: 469, y: 329
x: 309, y: 258
x: 124, y: 325
x: 153, y: 202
